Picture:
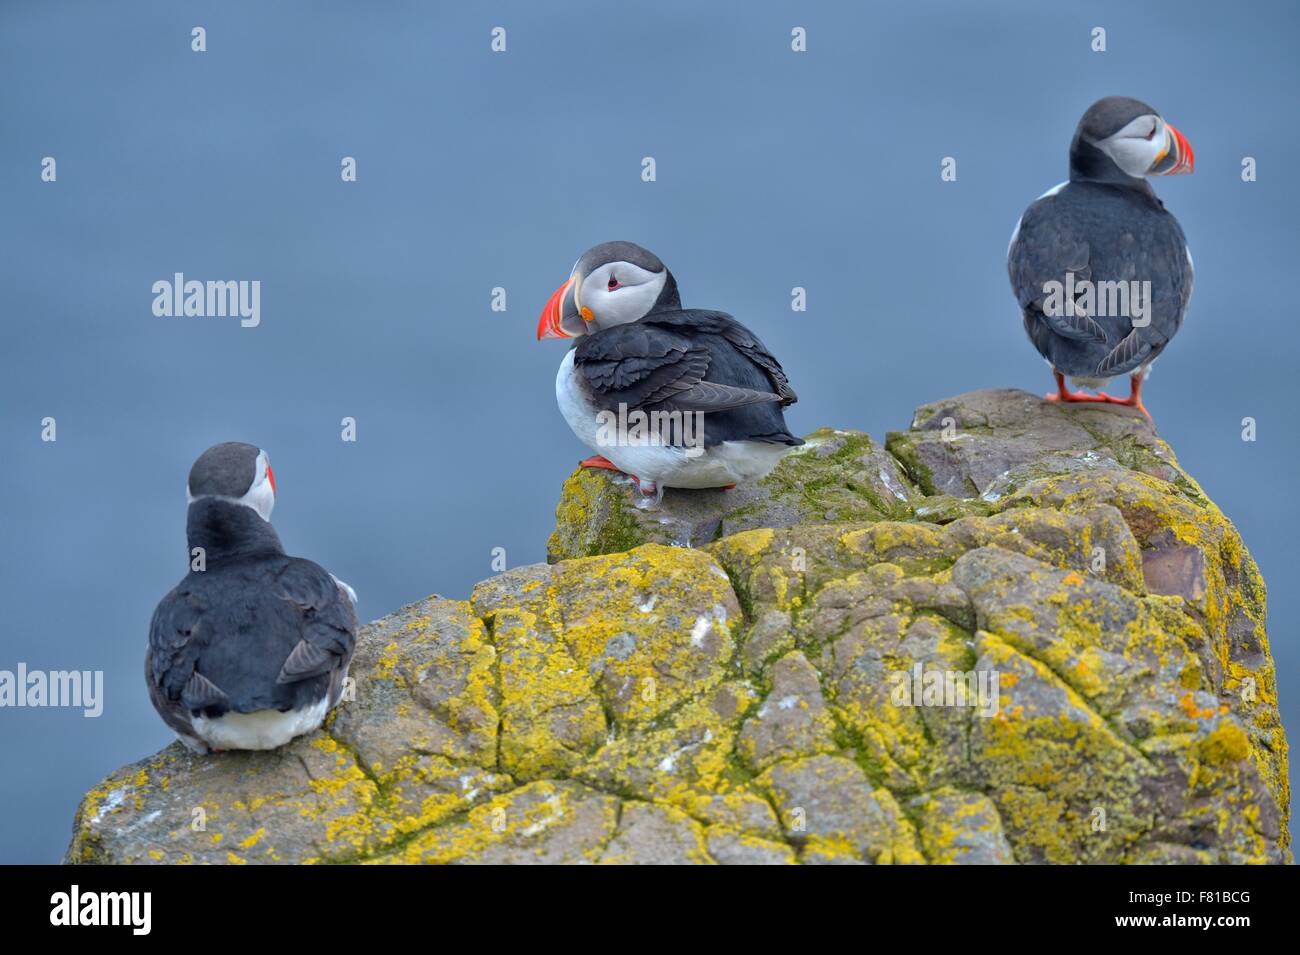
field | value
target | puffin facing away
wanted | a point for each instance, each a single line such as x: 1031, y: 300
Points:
x: 673, y: 397
x: 252, y: 649
x: 1101, y: 270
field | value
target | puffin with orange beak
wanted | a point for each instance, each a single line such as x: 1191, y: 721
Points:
x: 1099, y: 267
x: 673, y: 397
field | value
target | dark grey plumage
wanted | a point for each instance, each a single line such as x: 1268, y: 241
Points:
x: 224, y: 470
x: 255, y: 630
x: 1103, y: 226
x: 618, y: 251
x: 689, y: 360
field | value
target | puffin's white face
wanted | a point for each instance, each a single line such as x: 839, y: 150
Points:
x: 612, y: 293
x: 1142, y: 146
x: 617, y: 293
x: 260, y: 495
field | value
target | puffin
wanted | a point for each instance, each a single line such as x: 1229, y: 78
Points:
x: 670, y: 396
x: 252, y: 648
x: 1088, y: 245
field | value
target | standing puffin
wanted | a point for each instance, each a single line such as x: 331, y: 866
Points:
x: 251, y: 649
x: 638, y: 350
x: 1102, y: 228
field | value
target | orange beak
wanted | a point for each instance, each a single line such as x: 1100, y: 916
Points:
x: 549, y: 325
x: 1184, y: 160
x: 270, y: 477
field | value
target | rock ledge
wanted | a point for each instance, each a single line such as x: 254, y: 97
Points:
x: 738, y: 701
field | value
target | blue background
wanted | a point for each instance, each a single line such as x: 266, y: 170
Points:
x: 479, y: 170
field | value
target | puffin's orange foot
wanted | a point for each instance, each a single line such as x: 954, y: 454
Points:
x: 728, y: 487
x: 647, y: 488
x: 1064, y: 395
x: 1132, y: 401
x: 650, y: 491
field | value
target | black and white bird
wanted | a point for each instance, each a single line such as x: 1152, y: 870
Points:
x: 712, y: 393
x: 252, y: 648
x: 1081, y: 256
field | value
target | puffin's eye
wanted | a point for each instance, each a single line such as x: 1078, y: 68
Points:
x: 1152, y: 134
x: 613, y: 283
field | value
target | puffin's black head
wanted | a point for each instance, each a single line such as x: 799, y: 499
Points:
x: 1124, y: 138
x: 612, y: 284
x: 236, y: 472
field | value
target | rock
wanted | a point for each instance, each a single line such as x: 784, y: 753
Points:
x: 961, y: 827
x: 980, y: 444
x: 835, y: 476
x: 793, y: 720
x: 1017, y: 633
x: 650, y: 834
x: 831, y: 810
x: 729, y: 847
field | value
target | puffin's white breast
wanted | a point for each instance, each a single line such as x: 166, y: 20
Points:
x: 261, y: 729
x: 577, y: 409
x: 731, y: 462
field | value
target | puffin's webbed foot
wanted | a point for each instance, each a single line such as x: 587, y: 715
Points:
x: 649, y: 488
x: 1065, y: 394
x: 599, y: 461
x: 1134, y: 400
x: 1078, y: 396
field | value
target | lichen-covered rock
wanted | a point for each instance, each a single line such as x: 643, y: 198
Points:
x: 978, y: 444
x: 835, y: 476
x: 1020, y: 634
x: 960, y: 828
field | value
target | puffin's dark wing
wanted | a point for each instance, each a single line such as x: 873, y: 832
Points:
x: 271, y: 635
x: 1046, y: 247
x: 175, y: 687
x: 175, y: 637
x: 745, y: 341
x: 1126, y: 356
x: 1161, y: 257
x: 1102, y: 235
x: 640, y: 365
x: 329, y: 621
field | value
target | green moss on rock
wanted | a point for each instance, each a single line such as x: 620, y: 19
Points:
x: 836, y: 476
